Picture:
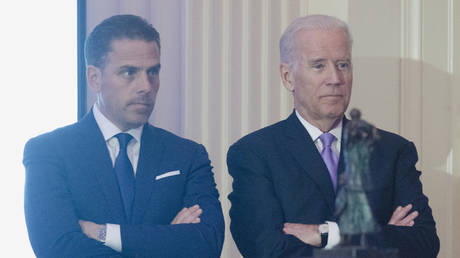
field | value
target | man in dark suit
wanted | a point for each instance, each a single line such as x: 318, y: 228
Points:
x: 113, y: 185
x: 285, y: 175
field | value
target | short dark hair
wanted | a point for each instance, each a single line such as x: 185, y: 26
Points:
x: 99, y: 42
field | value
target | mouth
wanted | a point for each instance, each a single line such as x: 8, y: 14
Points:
x: 141, y: 106
x: 141, y: 103
x: 332, y: 96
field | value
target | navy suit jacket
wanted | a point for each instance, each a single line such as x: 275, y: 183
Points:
x: 69, y: 176
x: 279, y: 176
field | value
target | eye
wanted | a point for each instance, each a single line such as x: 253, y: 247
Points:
x: 318, y: 66
x: 128, y: 73
x: 154, y: 71
x: 343, y: 65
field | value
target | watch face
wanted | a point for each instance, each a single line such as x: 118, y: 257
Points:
x: 323, y: 228
x: 102, y: 233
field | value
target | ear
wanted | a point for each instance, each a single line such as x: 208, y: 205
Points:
x: 94, y: 78
x: 287, y: 76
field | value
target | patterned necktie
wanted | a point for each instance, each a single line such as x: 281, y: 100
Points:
x: 329, y: 157
x: 125, y: 174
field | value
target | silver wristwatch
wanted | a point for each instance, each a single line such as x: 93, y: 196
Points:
x: 102, y: 233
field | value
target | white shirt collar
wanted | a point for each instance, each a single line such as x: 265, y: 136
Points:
x: 109, y: 129
x: 315, y: 133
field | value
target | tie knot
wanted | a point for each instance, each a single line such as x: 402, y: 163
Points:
x: 327, y: 139
x: 123, y: 139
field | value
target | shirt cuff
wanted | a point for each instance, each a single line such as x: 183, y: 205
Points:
x: 333, y: 237
x: 113, y: 237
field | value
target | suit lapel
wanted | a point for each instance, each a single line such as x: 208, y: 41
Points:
x: 301, y: 146
x: 341, y: 165
x: 96, y: 156
x: 149, y: 165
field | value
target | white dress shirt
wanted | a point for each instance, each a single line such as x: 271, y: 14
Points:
x: 334, y: 232
x: 109, y: 130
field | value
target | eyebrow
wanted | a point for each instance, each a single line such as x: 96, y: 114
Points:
x: 320, y: 60
x: 127, y: 67
x: 317, y: 60
x: 156, y: 68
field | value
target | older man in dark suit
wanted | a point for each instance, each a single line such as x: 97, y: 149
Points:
x: 285, y: 175
x: 113, y: 185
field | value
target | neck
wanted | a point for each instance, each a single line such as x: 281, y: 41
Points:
x: 105, y: 113
x: 325, y: 124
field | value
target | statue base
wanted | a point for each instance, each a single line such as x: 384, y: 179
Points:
x: 355, y: 252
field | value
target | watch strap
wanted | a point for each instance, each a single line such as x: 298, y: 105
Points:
x: 324, y: 237
x: 323, y: 230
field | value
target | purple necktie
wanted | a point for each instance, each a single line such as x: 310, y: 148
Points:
x: 329, y: 157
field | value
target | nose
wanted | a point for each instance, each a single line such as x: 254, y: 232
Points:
x: 335, y: 76
x: 146, y: 84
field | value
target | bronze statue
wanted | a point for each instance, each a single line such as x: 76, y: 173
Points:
x: 353, y: 212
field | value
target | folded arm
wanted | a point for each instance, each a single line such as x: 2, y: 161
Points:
x: 193, y: 232
x: 309, y: 234
x: 411, y: 228
x: 257, y: 218
x: 50, y: 214
x: 53, y: 222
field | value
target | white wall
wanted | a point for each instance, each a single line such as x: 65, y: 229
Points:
x: 39, y: 93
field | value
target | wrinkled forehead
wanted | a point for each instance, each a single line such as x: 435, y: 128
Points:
x: 134, y: 51
x: 323, y: 41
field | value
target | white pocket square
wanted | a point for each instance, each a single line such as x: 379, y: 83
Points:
x: 170, y: 173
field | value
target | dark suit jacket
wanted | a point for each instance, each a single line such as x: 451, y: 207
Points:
x: 279, y: 176
x: 69, y: 176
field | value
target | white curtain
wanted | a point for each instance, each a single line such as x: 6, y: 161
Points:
x: 220, y: 78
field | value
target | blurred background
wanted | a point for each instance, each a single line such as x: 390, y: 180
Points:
x: 220, y: 81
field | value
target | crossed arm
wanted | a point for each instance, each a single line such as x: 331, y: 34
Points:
x: 309, y: 233
x: 184, y: 216
x: 409, y: 228
x: 54, y: 222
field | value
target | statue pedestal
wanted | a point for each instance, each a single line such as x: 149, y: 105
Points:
x: 355, y: 252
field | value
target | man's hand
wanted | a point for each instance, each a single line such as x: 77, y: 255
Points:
x: 400, y: 217
x: 188, y: 215
x: 307, y: 233
x: 90, y: 229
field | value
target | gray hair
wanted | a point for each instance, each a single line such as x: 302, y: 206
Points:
x: 312, y: 22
